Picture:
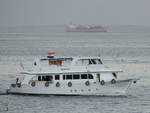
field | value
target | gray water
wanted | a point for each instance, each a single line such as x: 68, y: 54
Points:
x: 120, y: 47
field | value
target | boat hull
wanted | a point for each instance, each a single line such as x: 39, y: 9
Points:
x: 86, y: 30
x: 95, y: 88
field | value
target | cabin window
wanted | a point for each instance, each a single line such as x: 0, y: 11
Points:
x: 76, y: 76
x: 39, y: 78
x: 90, y: 62
x: 47, y: 78
x: 114, y: 74
x: 90, y: 76
x: 97, y: 61
x: 83, y: 76
x: 55, y: 62
x: 68, y: 77
x: 64, y: 77
x: 56, y: 77
x: 43, y: 78
x: 93, y: 61
x: 59, y: 62
x: 100, y: 62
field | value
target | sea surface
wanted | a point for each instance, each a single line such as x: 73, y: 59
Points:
x: 129, y: 50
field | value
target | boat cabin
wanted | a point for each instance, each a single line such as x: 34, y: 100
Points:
x: 82, y: 61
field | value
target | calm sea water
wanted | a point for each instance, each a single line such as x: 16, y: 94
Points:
x: 115, y: 45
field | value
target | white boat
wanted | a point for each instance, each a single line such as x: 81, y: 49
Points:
x: 87, y: 28
x: 71, y: 76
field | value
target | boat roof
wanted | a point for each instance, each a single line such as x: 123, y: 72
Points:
x: 71, y: 58
x: 55, y: 59
x: 73, y: 70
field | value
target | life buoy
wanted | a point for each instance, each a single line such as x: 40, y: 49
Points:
x: 57, y: 84
x: 102, y: 82
x: 113, y: 81
x: 33, y: 84
x: 46, y: 84
x: 87, y: 83
x: 69, y: 84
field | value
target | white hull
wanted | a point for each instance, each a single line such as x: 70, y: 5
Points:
x: 86, y: 30
x: 82, y: 28
x: 119, y: 88
x: 80, y: 76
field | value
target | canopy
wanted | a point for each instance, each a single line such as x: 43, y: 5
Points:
x: 56, y: 59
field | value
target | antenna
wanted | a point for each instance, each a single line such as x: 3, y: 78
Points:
x: 21, y: 65
x: 99, y: 55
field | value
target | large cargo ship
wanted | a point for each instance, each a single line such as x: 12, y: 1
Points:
x: 85, y: 28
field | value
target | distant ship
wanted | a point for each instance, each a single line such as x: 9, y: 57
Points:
x: 85, y: 28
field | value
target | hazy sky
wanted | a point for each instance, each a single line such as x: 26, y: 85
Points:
x: 47, y: 12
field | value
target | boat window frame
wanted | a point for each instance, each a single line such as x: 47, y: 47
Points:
x: 64, y: 77
x: 83, y: 76
x: 39, y: 78
x: 79, y: 76
x: 57, y: 77
x: 100, y: 61
x: 90, y: 75
x: 69, y: 75
x: 90, y: 62
x: 93, y: 61
x: 45, y: 78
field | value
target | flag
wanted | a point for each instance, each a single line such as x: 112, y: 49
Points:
x: 51, y: 53
x: 21, y: 65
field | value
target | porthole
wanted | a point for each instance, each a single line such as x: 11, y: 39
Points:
x: 33, y: 84
x: 87, y: 83
x: 69, y: 84
x: 102, y: 82
x: 89, y: 89
x: 46, y: 84
x: 57, y: 84
x: 113, y: 81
